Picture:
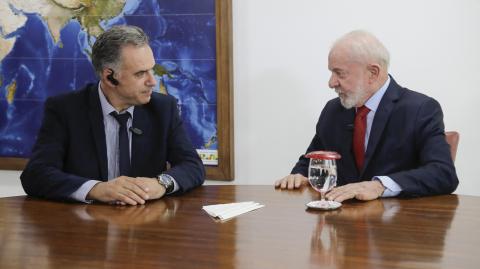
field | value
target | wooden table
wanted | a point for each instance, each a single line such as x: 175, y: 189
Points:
x: 432, y: 232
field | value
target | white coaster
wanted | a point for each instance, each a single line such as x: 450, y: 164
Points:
x: 324, y: 205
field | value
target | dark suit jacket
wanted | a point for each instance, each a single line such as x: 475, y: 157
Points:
x: 406, y: 143
x: 71, y: 148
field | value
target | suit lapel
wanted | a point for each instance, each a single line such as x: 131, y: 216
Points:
x: 385, y: 108
x: 139, y: 141
x: 98, y: 130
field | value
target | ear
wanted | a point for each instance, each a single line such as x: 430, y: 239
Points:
x: 108, y: 76
x: 105, y: 73
x: 373, y: 72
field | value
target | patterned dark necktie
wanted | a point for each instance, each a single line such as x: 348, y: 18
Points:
x: 359, y: 130
x: 123, y: 143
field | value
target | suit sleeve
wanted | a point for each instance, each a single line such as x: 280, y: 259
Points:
x: 186, y: 167
x: 43, y: 176
x: 435, y: 173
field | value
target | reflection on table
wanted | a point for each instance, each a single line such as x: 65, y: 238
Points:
x: 431, y: 232
x: 384, y: 231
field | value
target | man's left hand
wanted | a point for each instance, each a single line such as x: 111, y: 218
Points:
x: 365, y: 190
x: 153, y: 188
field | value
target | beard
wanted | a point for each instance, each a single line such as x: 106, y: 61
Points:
x: 353, y: 99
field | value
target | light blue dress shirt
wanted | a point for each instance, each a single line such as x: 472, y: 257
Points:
x: 113, y: 152
x: 392, y: 188
x: 111, y: 138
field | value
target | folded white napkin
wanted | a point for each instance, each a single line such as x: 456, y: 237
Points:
x: 227, y: 211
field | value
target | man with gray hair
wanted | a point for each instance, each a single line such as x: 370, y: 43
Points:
x: 111, y: 141
x: 391, y: 139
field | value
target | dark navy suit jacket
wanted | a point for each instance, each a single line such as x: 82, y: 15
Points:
x: 406, y: 143
x: 71, y: 148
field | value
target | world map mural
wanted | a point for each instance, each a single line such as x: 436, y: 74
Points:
x: 45, y: 48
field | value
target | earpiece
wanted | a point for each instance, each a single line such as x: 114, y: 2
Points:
x: 111, y: 78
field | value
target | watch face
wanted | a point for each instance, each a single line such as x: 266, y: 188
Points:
x: 167, y: 182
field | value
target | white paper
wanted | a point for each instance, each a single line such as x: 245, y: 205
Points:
x: 215, y: 210
x: 227, y: 211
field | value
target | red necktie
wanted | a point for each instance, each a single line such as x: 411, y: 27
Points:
x: 359, y: 129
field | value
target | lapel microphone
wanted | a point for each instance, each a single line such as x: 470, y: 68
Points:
x: 349, y: 127
x: 136, y: 131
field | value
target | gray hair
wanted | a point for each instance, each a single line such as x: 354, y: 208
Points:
x: 365, y: 47
x: 107, y: 47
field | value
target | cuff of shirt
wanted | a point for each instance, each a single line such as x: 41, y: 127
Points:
x: 81, y: 193
x: 391, y: 187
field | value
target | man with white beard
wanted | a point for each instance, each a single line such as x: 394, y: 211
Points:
x: 391, y: 139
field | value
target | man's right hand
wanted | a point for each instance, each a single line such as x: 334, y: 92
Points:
x: 291, y: 182
x: 121, y: 190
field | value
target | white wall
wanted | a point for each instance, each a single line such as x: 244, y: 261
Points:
x: 280, y: 63
x: 280, y: 73
x: 10, y: 184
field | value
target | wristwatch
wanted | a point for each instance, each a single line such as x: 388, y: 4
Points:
x: 166, y: 181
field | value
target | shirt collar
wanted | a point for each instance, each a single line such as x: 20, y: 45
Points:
x: 107, y: 108
x: 373, y: 102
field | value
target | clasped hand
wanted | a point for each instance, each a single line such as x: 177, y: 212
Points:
x: 127, y: 190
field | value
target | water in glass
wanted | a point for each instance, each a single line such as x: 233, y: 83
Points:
x: 322, y: 175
